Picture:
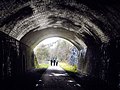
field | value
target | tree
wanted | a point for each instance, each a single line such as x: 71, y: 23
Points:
x: 62, y: 49
x: 42, y: 53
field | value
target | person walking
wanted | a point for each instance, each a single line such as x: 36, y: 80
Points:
x: 51, y: 61
x: 54, y: 61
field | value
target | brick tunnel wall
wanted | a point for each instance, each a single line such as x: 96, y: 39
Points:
x: 104, y: 58
x: 102, y: 61
x: 15, y: 57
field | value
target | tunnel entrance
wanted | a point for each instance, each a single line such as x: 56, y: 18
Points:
x: 56, y: 51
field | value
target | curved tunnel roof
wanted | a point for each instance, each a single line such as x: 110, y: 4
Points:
x: 33, y: 21
x: 34, y: 37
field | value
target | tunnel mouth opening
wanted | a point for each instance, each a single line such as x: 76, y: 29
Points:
x: 56, y: 51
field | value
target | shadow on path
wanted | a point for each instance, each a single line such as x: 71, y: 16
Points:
x: 54, y: 78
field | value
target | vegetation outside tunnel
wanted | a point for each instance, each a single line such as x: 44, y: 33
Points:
x: 42, y: 65
x: 64, y: 65
x: 68, y: 67
x: 65, y: 52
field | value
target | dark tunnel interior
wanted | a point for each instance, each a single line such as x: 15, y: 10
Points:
x: 88, y: 24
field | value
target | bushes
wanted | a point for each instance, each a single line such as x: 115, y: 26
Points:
x: 68, y: 67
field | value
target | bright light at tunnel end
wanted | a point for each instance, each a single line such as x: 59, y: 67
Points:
x: 49, y: 41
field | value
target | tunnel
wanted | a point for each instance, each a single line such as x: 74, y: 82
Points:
x: 91, y: 25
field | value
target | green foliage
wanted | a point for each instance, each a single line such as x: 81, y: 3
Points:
x: 68, y: 67
x: 36, y: 63
x: 42, y: 53
x: 63, y: 50
x: 42, y: 65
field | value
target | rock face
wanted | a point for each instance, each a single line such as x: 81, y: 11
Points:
x: 92, y: 24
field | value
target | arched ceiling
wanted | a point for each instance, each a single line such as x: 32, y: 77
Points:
x: 70, y: 19
x: 34, y: 37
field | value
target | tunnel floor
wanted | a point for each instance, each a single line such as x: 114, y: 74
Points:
x: 53, y: 78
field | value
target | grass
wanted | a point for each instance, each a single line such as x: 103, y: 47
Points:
x: 68, y: 67
x: 43, y: 65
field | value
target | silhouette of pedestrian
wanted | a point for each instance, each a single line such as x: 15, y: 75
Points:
x: 54, y: 61
x: 51, y: 62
